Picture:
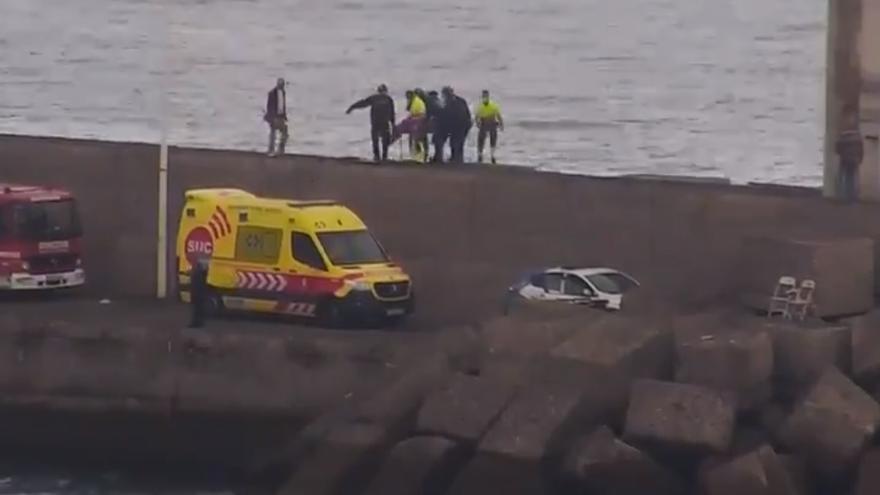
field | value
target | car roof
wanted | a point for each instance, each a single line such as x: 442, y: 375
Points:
x: 585, y: 271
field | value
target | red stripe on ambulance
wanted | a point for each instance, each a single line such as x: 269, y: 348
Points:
x: 291, y: 284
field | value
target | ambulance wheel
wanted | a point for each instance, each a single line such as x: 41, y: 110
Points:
x: 214, y: 304
x: 331, y: 315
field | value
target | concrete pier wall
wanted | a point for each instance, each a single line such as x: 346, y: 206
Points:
x: 464, y: 233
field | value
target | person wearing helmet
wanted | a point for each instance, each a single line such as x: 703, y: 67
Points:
x: 276, y: 117
x: 458, y: 120
x: 489, y: 122
x: 381, y: 120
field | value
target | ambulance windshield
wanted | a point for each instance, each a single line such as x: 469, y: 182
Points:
x: 357, y: 247
x: 46, y: 221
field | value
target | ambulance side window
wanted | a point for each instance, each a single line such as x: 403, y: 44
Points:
x: 258, y: 245
x: 305, y: 251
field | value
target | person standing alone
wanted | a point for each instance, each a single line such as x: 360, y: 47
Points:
x: 381, y: 120
x: 850, y: 149
x: 489, y: 122
x: 276, y: 117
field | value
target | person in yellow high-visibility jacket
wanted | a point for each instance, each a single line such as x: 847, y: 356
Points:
x: 487, y: 116
x: 415, y: 124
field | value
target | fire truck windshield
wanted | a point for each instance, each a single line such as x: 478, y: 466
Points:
x: 46, y: 221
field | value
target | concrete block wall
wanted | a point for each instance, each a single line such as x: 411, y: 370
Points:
x: 465, y: 233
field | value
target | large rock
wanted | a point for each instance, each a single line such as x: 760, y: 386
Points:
x: 798, y: 473
x: 803, y: 353
x: 530, y: 335
x: 601, y: 464
x: 832, y: 425
x: 759, y: 472
x: 866, y: 347
x: 510, y: 457
x: 679, y: 417
x: 464, y: 409
x: 627, y: 344
x: 342, y: 463
x: 842, y: 268
x: 390, y: 409
x: 868, y: 482
x: 417, y: 466
x: 740, y: 363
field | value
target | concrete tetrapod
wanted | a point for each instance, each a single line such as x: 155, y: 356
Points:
x: 601, y: 464
x: 759, y: 472
x: 628, y: 345
x: 803, y: 352
x: 511, y: 457
x: 740, y: 363
x: 464, y: 409
x: 675, y: 417
x: 417, y: 466
x: 832, y: 424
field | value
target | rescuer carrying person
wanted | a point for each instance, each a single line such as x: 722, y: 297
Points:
x: 414, y: 124
x: 198, y: 292
x: 489, y: 122
x: 381, y: 120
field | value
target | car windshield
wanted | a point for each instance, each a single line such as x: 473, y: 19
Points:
x: 46, y: 221
x: 605, y: 284
x: 357, y: 247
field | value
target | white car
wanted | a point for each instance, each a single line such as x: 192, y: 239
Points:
x: 599, y: 287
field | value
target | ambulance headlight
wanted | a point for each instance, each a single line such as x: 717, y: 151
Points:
x: 360, y: 285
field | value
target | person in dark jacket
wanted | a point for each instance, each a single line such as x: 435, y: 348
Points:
x: 276, y: 116
x: 850, y: 149
x: 381, y: 120
x: 198, y: 293
x: 459, y: 122
x: 435, y: 125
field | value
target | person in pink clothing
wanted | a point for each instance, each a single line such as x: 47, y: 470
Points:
x: 415, y: 124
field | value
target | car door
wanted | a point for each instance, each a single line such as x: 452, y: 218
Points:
x: 575, y: 289
x: 532, y: 287
x: 553, y: 286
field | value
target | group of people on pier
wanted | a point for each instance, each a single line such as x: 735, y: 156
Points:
x: 432, y: 119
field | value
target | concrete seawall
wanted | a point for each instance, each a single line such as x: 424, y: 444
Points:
x: 464, y: 232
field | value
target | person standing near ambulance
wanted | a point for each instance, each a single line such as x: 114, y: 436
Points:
x: 198, y: 293
x: 489, y: 122
x: 276, y: 116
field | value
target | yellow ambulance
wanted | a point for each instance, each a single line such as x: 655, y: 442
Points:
x: 313, y: 259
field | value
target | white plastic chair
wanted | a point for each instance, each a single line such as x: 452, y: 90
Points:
x: 780, y: 301
x: 802, y: 301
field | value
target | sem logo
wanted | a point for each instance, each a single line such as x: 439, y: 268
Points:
x: 199, y: 244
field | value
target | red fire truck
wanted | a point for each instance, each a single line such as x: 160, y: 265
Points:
x: 40, y: 239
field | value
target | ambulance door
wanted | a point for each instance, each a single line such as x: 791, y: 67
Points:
x: 311, y: 267
x: 255, y: 271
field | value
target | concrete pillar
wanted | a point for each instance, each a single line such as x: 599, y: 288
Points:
x: 843, y: 80
x: 869, y: 113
